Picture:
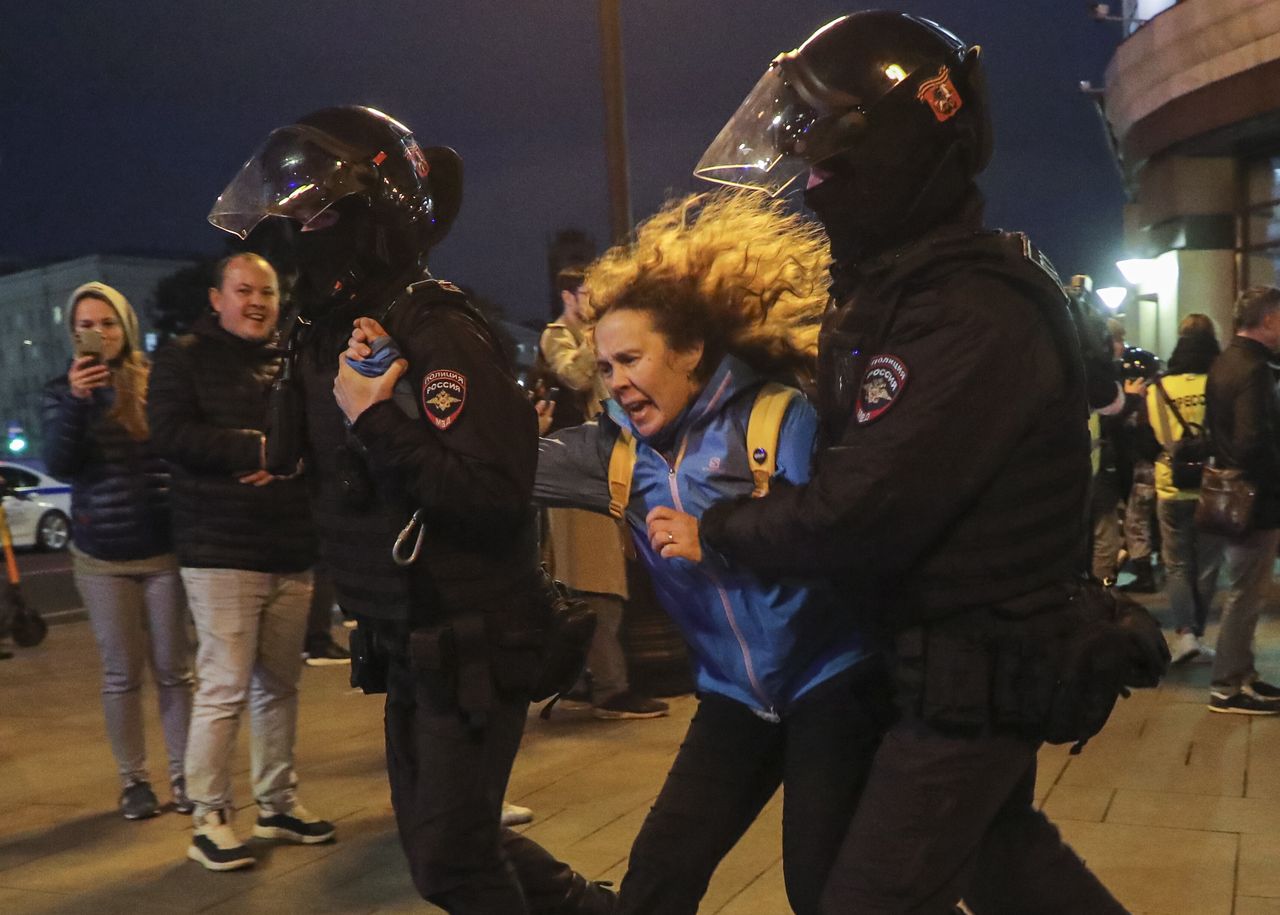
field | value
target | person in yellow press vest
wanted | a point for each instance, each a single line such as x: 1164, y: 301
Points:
x: 1191, y: 557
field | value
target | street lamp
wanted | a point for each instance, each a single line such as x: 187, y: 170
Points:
x: 615, y: 118
x: 1113, y: 296
x: 1135, y: 270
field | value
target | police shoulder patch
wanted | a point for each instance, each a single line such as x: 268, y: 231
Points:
x: 882, y: 385
x: 444, y: 394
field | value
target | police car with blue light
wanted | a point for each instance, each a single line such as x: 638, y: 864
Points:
x: 38, y: 507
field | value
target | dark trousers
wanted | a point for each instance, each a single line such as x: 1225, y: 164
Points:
x: 944, y: 818
x: 447, y: 779
x: 727, y: 769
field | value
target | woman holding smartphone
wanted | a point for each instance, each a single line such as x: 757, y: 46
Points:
x: 96, y: 437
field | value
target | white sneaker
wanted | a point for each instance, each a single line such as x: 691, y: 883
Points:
x: 215, y: 844
x: 515, y: 815
x: 1186, y: 647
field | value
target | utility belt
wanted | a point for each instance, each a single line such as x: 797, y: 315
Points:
x: 532, y: 647
x: 1052, y: 675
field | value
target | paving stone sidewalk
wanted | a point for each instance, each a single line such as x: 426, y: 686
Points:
x: 1177, y: 809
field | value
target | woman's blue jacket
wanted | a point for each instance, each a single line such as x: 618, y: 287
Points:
x: 762, y: 643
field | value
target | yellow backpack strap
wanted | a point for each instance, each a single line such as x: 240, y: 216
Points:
x: 1095, y: 441
x: 622, y: 461
x: 763, y: 430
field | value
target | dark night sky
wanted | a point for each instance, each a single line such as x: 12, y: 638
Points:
x: 121, y: 121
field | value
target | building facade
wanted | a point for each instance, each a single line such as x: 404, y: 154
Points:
x: 33, y: 324
x: 1192, y: 99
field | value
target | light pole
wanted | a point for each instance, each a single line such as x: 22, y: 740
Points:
x: 615, y: 118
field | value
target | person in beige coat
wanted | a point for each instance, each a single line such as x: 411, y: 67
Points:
x: 587, y: 549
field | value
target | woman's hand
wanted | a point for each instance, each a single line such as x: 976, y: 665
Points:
x: 674, y: 534
x: 86, y: 374
x: 356, y: 393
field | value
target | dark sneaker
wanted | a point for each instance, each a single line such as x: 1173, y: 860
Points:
x: 178, y: 790
x: 515, y: 815
x: 577, y: 698
x: 326, y: 653
x: 215, y: 845
x: 1242, y: 703
x: 627, y: 704
x: 138, y: 801
x: 1260, y: 689
x: 299, y: 825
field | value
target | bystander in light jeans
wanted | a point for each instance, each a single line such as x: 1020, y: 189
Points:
x: 1191, y: 558
x: 123, y: 611
x: 250, y: 626
x: 1248, y: 563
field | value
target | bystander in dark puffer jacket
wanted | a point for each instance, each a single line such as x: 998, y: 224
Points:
x: 119, y: 485
x: 208, y: 410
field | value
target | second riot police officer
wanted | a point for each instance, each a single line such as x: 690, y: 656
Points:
x: 430, y: 449
x: 948, y: 499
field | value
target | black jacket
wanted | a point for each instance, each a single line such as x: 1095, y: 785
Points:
x: 207, y: 407
x: 1243, y: 418
x: 962, y: 481
x: 461, y: 445
x: 119, y: 486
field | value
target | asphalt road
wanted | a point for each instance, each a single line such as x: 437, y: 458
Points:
x: 47, y: 585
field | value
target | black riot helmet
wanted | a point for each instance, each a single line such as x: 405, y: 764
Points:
x: 367, y: 201
x: 890, y: 108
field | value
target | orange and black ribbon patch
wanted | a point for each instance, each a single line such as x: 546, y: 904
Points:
x: 940, y: 94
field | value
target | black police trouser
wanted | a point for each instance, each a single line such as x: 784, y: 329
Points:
x: 944, y: 818
x: 730, y: 764
x: 448, y: 777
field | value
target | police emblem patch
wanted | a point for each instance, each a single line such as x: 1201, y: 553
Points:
x: 882, y: 385
x: 940, y: 94
x: 444, y: 394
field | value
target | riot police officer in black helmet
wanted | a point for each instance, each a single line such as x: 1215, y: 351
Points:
x: 422, y: 473
x: 948, y: 499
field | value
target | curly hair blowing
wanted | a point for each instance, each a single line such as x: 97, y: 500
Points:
x: 730, y: 269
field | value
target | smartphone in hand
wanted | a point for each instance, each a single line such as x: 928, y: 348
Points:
x: 89, y: 343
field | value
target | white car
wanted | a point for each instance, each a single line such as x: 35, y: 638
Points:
x: 40, y: 514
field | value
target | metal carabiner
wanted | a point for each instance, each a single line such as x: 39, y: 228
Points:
x: 397, y: 550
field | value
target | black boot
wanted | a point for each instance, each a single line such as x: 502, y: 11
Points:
x: 550, y: 886
x: 1144, y: 581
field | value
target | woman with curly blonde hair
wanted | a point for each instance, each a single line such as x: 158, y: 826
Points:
x: 717, y: 296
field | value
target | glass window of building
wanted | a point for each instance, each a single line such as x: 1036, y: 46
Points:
x: 1260, y: 223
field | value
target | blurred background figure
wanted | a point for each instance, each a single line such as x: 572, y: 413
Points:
x: 1191, y: 557
x: 320, y: 648
x: 586, y: 549
x: 1243, y: 418
x: 97, y: 437
x: 1138, y: 368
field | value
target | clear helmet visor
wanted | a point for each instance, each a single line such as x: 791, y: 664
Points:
x: 771, y: 140
x: 295, y: 174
